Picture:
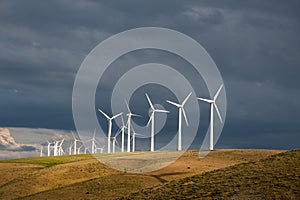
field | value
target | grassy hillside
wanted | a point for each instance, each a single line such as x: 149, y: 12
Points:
x: 83, y: 177
x: 275, y: 177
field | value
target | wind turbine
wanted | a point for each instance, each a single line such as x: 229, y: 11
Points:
x: 60, y: 149
x: 55, y: 148
x: 78, y: 149
x: 114, y: 139
x: 109, y: 119
x: 70, y: 149
x: 122, y: 128
x: 75, y: 143
x: 153, y: 110
x: 41, y: 152
x: 100, y: 148
x: 49, y: 150
x: 129, y: 115
x: 213, y: 105
x: 180, y: 111
x: 93, y: 143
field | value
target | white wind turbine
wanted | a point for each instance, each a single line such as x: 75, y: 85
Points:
x: 100, y: 148
x: 70, y: 149
x: 93, y: 143
x: 213, y: 105
x: 56, y: 148
x: 48, y: 148
x: 122, y: 129
x: 153, y: 110
x: 75, y: 143
x: 60, y: 149
x: 109, y: 119
x: 41, y: 152
x: 180, y: 112
x: 129, y: 115
x: 114, y: 139
x: 78, y: 149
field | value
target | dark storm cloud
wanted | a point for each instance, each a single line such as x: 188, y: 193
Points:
x: 255, y: 44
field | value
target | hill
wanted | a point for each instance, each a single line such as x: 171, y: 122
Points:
x: 83, y: 177
x: 275, y: 177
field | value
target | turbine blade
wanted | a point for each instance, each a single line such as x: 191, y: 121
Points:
x: 117, y: 115
x: 217, y: 109
x: 184, y: 115
x: 206, y: 100
x: 127, y: 106
x: 162, y: 111
x: 122, y: 120
x: 218, y: 92
x: 152, y: 115
x: 94, y: 134
x: 117, y: 142
x: 103, y: 113
x: 175, y: 104
x: 151, y: 105
x: 185, y: 100
x: 135, y: 115
x: 118, y: 133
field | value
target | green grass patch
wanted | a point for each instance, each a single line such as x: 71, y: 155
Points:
x: 51, y: 160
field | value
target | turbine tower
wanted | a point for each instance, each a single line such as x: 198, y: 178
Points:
x: 56, y: 148
x: 133, y: 139
x: 75, y: 143
x: 49, y: 150
x: 93, y: 142
x: 153, y: 110
x: 213, y: 105
x: 109, y: 119
x: 123, y: 133
x: 180, y: 112
x: 41, y: 151
x: 129, y: 115
x: 60, y: 149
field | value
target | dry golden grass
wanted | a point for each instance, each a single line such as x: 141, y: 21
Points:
x: 274, y: 177
x: 83, y: 177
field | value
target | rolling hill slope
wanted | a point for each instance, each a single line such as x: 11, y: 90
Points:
x: 275, y: 177
x: 83, y: 177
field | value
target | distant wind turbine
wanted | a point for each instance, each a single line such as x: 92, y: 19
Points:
x: 153, y: 110
x: 114, y: 139
x: 75, y: 143
x: 180, y: 111
x: 129, y: 115
x: 60, y: 149
x: 48, y: 148
x: 93, y: 142
x: 109, y: 119
x: 213, y: 105
x: 41, y: 152
x: 56, y: 148
x: 122, y: 128
x: 78, y: 149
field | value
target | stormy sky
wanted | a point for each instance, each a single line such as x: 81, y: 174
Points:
x: 255, y: 45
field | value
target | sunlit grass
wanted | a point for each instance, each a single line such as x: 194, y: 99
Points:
x: 51, y: 160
